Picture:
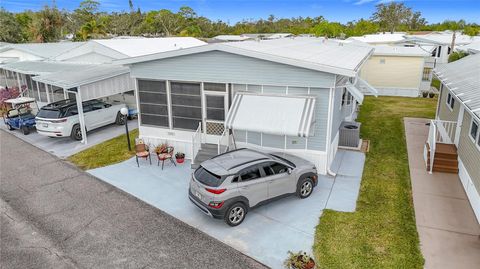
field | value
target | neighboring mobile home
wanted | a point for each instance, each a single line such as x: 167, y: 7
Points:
x: 398, y: 71
x: 457, y: 125
x: 288, y: 94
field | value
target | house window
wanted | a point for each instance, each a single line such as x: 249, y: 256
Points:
x: 216, y: 87
x: 152, y: 97
x: 186, y: 105
x: 426, y: 73
x: 382, y: 61
x: 474, y: 132
x: 450, y: 101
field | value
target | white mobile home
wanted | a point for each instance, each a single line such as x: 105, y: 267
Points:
x: 281, y: 95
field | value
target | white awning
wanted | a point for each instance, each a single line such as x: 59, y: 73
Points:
x: 272, y: 114
x: 363, y: 85
x: 356, y: 93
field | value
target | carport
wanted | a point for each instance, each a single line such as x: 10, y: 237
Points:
x: 93, y: 82
x: 20, y: 74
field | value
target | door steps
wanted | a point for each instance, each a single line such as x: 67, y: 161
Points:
x: 206, y: 152
x: 446, y: 159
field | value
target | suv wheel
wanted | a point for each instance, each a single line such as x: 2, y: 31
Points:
x: 25, y: 130
x: 304, y: 188
x: 235, y: 214
x: 76, y: 132
x: 120, y: 119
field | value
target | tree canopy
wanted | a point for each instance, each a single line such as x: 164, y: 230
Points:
x: 87, y: 21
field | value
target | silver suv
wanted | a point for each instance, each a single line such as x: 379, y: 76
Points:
x: 228, y: 185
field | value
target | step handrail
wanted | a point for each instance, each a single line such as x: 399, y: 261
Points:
x: 432, y: 142
x: 196, y: 142
x: 224, y: 135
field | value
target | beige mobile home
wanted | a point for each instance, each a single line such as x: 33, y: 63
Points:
x: 454, y: 138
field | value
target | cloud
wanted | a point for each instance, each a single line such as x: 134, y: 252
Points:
x: 361, y: 2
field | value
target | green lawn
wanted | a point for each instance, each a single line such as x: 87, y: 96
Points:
x: 382, y: 232
x: 109, y: 152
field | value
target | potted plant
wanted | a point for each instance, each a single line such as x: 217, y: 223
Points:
x: 160, y: 148
x: 431, y: 94
x: 300, y: 260
x: 180, y: 157
x: 425, y: 94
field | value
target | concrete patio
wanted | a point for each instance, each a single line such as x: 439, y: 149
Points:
x: 64, y: 147
x: 268, y: 232
x: 449, y: 232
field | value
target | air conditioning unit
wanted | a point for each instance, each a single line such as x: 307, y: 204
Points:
x: 349, y: 134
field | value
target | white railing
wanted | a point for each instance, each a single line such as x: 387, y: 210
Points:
x: 196, y: 141
x: 440, y: 131
x: 223, y: 142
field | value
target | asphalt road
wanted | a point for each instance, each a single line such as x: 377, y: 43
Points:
x: 53, y: 215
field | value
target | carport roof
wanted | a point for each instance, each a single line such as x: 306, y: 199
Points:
x: 90, y: 74
x: 40, y: 67
x: 462, y: 79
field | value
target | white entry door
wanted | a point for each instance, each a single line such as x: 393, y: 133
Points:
x: 215, y: 108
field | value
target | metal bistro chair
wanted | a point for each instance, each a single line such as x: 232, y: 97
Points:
x: 142, y: 151
x: 166, y: 155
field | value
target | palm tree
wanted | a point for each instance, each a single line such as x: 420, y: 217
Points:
x: 92, y: 29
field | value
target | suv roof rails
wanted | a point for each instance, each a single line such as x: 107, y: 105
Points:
x: 227, y: 152
x: 247, y: 162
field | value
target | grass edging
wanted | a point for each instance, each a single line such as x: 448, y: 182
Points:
x: 106, y: 153
x: 381, y: 233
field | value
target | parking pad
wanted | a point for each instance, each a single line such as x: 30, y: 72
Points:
x: 269, y: 231
x: 64, y: 147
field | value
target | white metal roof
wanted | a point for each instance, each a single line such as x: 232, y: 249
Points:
x: 90, y: 74
x: 305, y: 52
x: 294, y: 119
x: 380, y: 38
x: 386, y: 50
x: 231, y: 37
x: 462, y: 77
x: 43, y: 50
x: 20, y: 100
x: 133, y: 47
x: 473, y: 47
x: 443, y: 38
x: 41, y: 67
x: 316, y: 51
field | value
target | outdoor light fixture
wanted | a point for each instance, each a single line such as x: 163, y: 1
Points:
x: 124, y: 112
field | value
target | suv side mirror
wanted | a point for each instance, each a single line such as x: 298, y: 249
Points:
x: 289, y: 170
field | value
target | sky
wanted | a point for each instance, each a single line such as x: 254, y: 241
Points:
x: 232, y: 11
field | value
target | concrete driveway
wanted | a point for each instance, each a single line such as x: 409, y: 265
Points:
x: 64, y: 147
x: 268, y: 232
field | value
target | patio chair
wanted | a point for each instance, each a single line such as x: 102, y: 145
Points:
x: 166, y: 155
x: 141, y: 151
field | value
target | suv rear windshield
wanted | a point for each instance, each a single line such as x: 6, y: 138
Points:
x: 49, y: 113
x: 207, y: 178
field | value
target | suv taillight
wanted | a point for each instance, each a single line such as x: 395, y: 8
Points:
x: 59, y: 120
x: 215, y: 191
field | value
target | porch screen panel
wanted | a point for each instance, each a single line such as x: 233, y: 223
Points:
x: 43, y: 92
x: 216, y: 87
x: 31, y: 92
x: 57, y: 93
x: 152, y: 97
x: 273, y: 141
x: 186, y: 105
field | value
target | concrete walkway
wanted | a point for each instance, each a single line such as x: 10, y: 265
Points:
x: 449, y: 232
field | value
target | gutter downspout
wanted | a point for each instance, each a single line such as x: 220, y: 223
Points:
x: 329, y: 130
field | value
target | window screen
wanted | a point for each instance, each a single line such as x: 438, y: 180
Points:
x: 186, y: 105
x: 474, y: 130
x: 217, y: 87
x: 152, y: 97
